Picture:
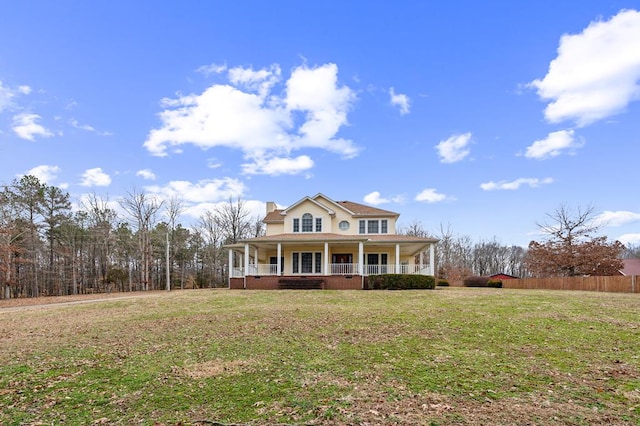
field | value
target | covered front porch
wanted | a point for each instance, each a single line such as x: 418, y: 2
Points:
x: 343, y: 264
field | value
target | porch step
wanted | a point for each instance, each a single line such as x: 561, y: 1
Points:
x: 300, y: 284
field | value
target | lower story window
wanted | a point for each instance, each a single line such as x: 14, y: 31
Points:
x: 307, y: 263
x: 376, y: 263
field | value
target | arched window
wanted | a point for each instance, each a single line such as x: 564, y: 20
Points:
x: 307, y: 222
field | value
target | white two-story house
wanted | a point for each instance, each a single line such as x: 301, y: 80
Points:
x: 321, y: 243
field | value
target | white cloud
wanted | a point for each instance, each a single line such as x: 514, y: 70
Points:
x: 596, y: 72
x: 260, y: 81
x: 515, y: 184
x: 454, y: 149
x: 44, y: 173
x: 7, y: 94
x: 400, y: 100
x: 262, y: 125
x: 213, y: 163
x: 204, y: 191
x: 278, y: 166
x: 211, y: 69
x: 146, y: 174
x: 315, y: 91
x: 629, y: 239
x: 618, y: 218
x: 87, y: 127
x: 553, y: 145
x: 375, y: 199
x: 77, y: 125
x: 430, y: 195
x: 25, y: 126
x: 95, y: 177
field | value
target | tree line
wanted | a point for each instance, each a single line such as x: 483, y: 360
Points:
x: 569, y: 246
x: 48, y: 247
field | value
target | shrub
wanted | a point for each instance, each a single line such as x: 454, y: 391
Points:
x: 476, y: 281
x: 494, y: 283
x: 443, y: 283
x: 402, y: 282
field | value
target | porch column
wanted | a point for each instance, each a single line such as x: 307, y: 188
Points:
x: 397, y: 259
x: 246, y: 259
x: 361, y: 258
x: 230, y: 265
x: 421, y: 261
x: 326, y: 258
x: 255, y: 259
x: 279, y: 254
x: 432, y: 262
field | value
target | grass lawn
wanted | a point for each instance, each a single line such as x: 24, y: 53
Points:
x: 442, y: 357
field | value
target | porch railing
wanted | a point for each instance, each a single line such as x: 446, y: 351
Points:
x: 336, y: 269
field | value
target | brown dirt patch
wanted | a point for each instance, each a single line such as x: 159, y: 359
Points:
x: 214, y: 368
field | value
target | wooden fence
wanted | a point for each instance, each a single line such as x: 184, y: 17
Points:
x: 613, y: 284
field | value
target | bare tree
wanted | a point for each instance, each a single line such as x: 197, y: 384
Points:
x: 257, y: 227
x: 415, y: 229
x: 101, y: 223
x: 173, y: 211
x: 569, y: 226
x: 142, y: 211
x: 212, y: 236
x: 632, y: 251
x: 572, y: 248
x: 233, y: 220
x: 10, y: 235
x: 453, y: 255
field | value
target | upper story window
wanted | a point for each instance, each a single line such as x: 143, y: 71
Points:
x: 307, y: 223
x: 373, y: 226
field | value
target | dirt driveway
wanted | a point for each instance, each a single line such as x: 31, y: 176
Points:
x: 9, y: 305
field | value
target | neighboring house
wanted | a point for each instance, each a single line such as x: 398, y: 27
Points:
x: 321, y: 243
x: 630, y: 267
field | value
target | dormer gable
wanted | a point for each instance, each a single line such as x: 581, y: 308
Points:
x: 313, y: 200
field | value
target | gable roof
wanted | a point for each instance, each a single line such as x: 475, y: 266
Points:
x: 312, y: 200
x: 274, y: 217
x: 630, y: 267
x: 364, y: 210
x: 355, y: 209
x: 502, y: 274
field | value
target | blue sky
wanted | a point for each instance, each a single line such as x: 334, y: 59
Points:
x: 479, y: 117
